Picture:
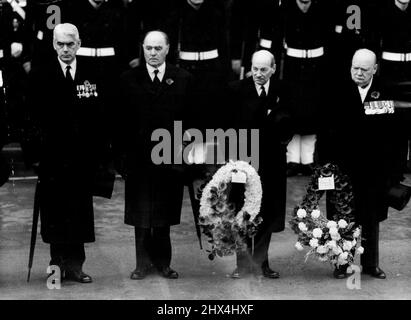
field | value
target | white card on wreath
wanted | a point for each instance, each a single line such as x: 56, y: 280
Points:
x: 238, y: 177
x: 326, y: 183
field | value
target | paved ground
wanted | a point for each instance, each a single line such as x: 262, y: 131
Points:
x: 111, y: 258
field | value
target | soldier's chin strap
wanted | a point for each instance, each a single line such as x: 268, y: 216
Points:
x: 17, y: 7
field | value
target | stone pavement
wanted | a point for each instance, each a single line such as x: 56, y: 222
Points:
x: 111, y: 259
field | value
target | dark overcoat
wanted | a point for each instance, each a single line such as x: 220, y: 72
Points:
x: 367, y: 148
x: 249, y: 112
x: 153, y: 193
x: 66, y: 135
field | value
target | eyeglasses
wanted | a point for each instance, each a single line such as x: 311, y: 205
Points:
x: 70, y: 45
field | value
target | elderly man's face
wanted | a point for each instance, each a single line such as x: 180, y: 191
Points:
x: 261, y: 69
x: 66, y: 46
x: 362, y: 69
x: 155, y: 49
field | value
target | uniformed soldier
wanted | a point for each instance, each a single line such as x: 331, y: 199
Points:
x: 12, y: 77
x: 352, y: 31
x: 199, y: 44
x: 42, y: 17
x: 393, y: 38
x: 304, y: 29
x: 251, y: 29
x: 106, y: 42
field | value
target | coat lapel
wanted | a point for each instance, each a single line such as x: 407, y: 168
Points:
x: 168, y: 80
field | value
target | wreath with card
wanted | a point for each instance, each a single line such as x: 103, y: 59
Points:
x: 226, y: 227
x: 336, y: 241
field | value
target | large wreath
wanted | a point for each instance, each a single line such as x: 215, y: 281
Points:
x: 337, y: 240
x: 227, y: 227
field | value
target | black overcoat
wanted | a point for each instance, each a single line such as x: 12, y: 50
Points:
x: 153, y: 193
x: 66, y: 135
x: 366, y: 147
x: 249, y: 112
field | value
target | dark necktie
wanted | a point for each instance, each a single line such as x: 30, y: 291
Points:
x: 69, y: 78
x: 156, y: 80
x: 263, y: 94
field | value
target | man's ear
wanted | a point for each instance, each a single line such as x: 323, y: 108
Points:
x: 375, y: 68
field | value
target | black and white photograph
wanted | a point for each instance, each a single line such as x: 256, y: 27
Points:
x: 205, y: 155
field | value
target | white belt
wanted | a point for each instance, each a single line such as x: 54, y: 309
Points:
x: 1, y: 79
x: 96, y: 52
x: 193, y: 56
x: 393, y: 56
x: 300, y: 53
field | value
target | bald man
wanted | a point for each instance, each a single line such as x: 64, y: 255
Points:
x: 66, y: 143
x: 254, y: 104
x: 155, y: 95
x: 367, y: 148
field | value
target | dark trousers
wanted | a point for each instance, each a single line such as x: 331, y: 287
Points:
x: 153, y: 246
x: 258, y: 257
x: 370, y: 239
x: 67, y: 256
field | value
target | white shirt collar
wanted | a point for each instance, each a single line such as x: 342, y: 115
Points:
x: 161, y: 70
x: 266, y: 87
x: 364, y: 91
x: 73, y: 68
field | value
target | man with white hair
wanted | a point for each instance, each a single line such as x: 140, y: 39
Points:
x: 255, y: 105
x: 66, y: 145
x: 368, y: 151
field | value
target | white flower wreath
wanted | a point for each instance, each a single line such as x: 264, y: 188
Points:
x: 337, y: 240
x: 227, y: 230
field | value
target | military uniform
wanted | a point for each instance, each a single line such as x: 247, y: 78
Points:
x: 106, y: 42
x: 251, y: 29
x: 393, y: 35
x: 39, y: 30
x: 349, y: 35
x: 198, y: 43
x: 13, y: 77
x: 305, y: 37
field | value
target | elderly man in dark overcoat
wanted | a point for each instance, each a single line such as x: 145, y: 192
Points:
x: 66, y: 144
x: 154, y: 96
x: 367, y: 147
x: 255, y: 105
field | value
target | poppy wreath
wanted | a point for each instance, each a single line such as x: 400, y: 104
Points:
x: 226, y: 227
x: 336, y: 241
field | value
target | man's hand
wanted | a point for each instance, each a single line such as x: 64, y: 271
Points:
x: 27, y: 66
x: 236, y: 66
x: 134, y: 63
x: 16, y: 49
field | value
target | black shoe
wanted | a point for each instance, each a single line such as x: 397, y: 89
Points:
x: 340, y: 273
x: 138, y: 274
x: 268, y: 273
x: 169, y: 273
x: 292, y: 169
x: 78, y: 276
x: 375, y: 272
